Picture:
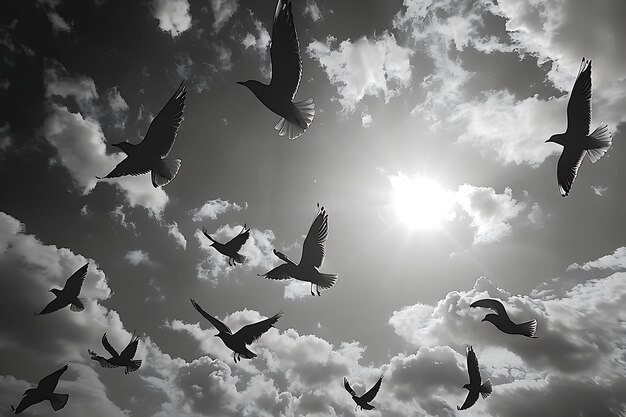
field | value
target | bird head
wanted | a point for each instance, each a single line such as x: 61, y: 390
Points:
x: 556, y: 139
x: 55, y: 291
x: 466, y: 386
x: 253, y: 85
x: 29, y: 391
x: 218, y: 335
x: 490, y: 318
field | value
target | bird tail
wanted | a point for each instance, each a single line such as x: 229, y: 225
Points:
x: 58, y: 401
x: 78, y: 304
x: 240, y: 258
x: 486, y: 389
x: 326, y: 281
x: 165, y: 172
x: 599, y: 142
x: 528, y: 328
x: 249, y: 354
x: 134, y: 365
x: 305, y: 110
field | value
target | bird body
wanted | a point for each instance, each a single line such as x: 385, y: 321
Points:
x: 69, y: 294
x: 363, y: 400
x: 502, y: 321
x: 124, y: 359
x: 475, y: 387
x: 246, y: 335
x: 44, y: 391
x: 232, y: 247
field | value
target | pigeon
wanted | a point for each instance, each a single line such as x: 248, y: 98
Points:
x: 44, y: 391
x: 364, y: 399
x: 576, y: 140
x: 69, y: 294
x: 231, y: 248
x: 278, y: 95
x: 474, y: 387
x: 312, y: 257
x: 502, y: 321
x: 246, y: 335
x: 149, y: 155
x: 116, y: 360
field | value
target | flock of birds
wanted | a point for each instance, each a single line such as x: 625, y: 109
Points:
x: 150, y: 156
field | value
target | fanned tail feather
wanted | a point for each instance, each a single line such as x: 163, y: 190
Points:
x: 528, y: 328
x: 165, y: 172
x: 486, y: 389
x: 133, y: 366
x: 326, y: 280
x: 599, y: 142
x: 305, y: 113
x: 58, y: 401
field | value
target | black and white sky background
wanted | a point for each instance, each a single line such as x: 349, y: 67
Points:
x: 437, y: 104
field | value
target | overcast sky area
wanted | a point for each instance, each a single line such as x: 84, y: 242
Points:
x: 427, y: 150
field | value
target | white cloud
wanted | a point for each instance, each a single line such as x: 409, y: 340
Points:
x: 173, y: 230
x: 615, y: 261
x: 366, y: 119
x: 313, y: 10
x: 259, y: 42
x: 138, y: 257
x: 119, y: 215
x: 599, y: 190
x: 387, y: 70
x: 84, y: 211
x: 223, y: 10
x: 58, y: 23
x: 173, y: 15
x: 297, y: 289
x: 213, y: 208
x: 118, y: 106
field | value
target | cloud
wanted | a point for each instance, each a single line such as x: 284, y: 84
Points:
x: 118, y: 106
x: 172, y: 229
x: 615, y: 261
x: 223, y: 10
x: 173, y: 15
x: 119, y: 215
x: 138, y: 257
x: 313, y: 10
x: 387, y: 70
x: 6, y: 140
x: 259, y: 42
x: 58, y: 23
x: 366, y: 119
x: 213, y: 208
x: 599, y: 190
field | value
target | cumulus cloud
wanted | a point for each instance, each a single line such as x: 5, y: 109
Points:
x: 366, y: 119
x: 173, y: 15
x: 118, y: 106
x: 223, y: 10
x: 213, y: 208
x: 58, y: 23
x: 615, y: 261
x: 388, y: 68
x: 138, y: 257
x: 172, y: 230
x: 259, y: 42
x: 312, y: 9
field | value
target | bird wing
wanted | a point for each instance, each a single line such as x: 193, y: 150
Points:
x: 221, y: 327
x: 162, y: 131
x: 347, y: 386
x: 282, y: 271
x: 75, y: 282
x: 313, y: 248
x: 49, y: 383
x: 472, y: 368
x: 369, y: 395
x: 237, y: 242
x: 27, y: 400
x: 579, y: 105
x: 128, y: 166
x: 107, y: 346
x: 495, y: 305
x: 567, y: 168
x: 54, y: 305
x: 285, y: 52
x: 129, y: 351
x: 472, y: 397
x: 252, y: 332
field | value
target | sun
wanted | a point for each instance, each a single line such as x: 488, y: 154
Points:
x: 421, y: 203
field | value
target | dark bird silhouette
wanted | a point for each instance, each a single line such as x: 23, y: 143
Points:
x: 312, y: 257
x: 124, y: 359
x: 149, y: 155
x: 576, y: 140
x: 278, y: 95
x: 246, y: 335
x: 44, y: 391
x: 68, y: 296
x: 474, y: 387
x: 232, y: 247
x: 364, y: 399
x: 502, y: 321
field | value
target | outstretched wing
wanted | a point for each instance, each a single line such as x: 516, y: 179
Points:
x: 128, y: 166
x: 472, y: 397
x: 75, y: 282
x: 54, y: 305
x: 49, y: 383
x: 285, y: 52
x: 129, y: 351
x: 347, y: 386
x: 162, y: 131
x: 579, y: 105
x: 282, y: 271
x: 472, y: 368
x: 221, y: 327
x: 313, y: 248
x: 27, y: 400
x: 567, y: 168
x: 495, y: 305
x: 252, y: 332
x: 237, y: 242
x: 369, y: 395
x: 107, y: 346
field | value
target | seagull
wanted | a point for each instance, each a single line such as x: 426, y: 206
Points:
x: 69, y: 294
x: 231, y: 248
x: 312, y: 257
x: 149, y: 155
x: 502, y: 321
x: 116, y: 360
x: 474, y: 387
x: 278, y: 95
x: 44, y: 391
x: 576, y: 140
x: 364, y: 399
x: 246, y: 335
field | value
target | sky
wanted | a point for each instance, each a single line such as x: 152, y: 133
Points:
x: 427, y: 150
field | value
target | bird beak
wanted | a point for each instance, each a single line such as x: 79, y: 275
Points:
x: 215, y: 335
x: 241, y: 82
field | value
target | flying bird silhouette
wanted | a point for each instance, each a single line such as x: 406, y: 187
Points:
x: 278, y: 95
x: 232, y: 247
x: 474, y: 387
x: 313, y: 252
x: 502, y: 321
x: 44, y: 391
x: 69, y: 294
x: 149, y: 155
x: 124, y: 359
x: 246, y: 335
x: 576, y: 140
x: 364, y: 399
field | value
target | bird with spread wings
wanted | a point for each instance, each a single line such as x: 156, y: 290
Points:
x: 231, y: 248
x: 364, y: 399
x: 502, y: 321
x: 124, y: 359
x: 44, y: 391
x: 475, y: 387
x: 68, y: 296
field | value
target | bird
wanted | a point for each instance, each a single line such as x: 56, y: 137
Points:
x: 124, y: 359
x: 502, y: 321
x: 246, y: 335
x: 364, y: 399
x: 69, y: 294
x: 232, y: 247
x: 279, y: 94
x: 149, y: 155
x: 576, y: 140
x: 44, y: 391
x: 313, y: 252
x: 474, y: 387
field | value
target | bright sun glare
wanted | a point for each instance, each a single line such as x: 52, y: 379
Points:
x: 421, y: 203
